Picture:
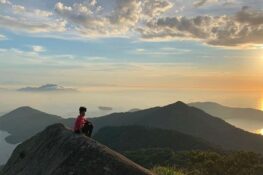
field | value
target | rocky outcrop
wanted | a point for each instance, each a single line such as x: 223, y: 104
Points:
x: 59, y: 151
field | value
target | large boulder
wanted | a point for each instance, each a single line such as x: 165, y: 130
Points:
x: 59, y: 151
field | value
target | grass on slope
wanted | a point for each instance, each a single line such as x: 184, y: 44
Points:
x: 166, y: 171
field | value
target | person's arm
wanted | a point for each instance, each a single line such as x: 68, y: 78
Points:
x: 83, y: 121
x: 86, y: 120
x: 76, y: 124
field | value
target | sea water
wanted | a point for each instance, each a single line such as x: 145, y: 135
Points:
x: 6, y: 149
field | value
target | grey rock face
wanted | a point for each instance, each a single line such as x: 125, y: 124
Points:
x: 59, y: 151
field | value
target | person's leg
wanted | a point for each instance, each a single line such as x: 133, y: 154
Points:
x: 90, y: 129
x: 85, y: 129
x: 77, y: 132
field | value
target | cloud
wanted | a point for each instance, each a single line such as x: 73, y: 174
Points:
x: 229, y: 3
x: 153, y: 8
x: 250, y: 16
x: 88, y: 19
x: 19, y: 18
x: 161, y: 51
x: 18, y: 8
x: 47, y: 88
x: 56, y: 61
x: 3, y: 37
x: 31, y: 26
x: 244, y: 28
x: 5, y: 2
x: 177, y: 27
x: 105, y: 108
x: 37, y: 48
x: 200, y: 3
x: 42, y: 13
x: 147, y: 20
x: 14, y: 9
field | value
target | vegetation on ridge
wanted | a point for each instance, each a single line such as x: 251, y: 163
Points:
x: 167, y: 162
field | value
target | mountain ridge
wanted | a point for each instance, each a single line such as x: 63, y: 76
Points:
x: 59, y: 151
x: 24, y: 122
x: 215, y: 104
x: 189, y: 120
x: 247, y: 118
x: 179, y: 117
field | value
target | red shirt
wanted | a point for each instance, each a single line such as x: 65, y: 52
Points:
x: 79, y: 122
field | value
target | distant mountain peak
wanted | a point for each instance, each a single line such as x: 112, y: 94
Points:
x: 25, y: 109
x: 24, y: 122
x: 178, y: 104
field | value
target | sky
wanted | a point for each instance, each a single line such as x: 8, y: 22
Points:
x: 124, y: 54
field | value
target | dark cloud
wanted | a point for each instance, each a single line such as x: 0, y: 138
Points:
x: 250, y: 16
x: 244, y: 28
x: 47, y: 88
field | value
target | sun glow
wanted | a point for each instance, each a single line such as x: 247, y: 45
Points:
x: 261, y: 105
x: 260, y: 131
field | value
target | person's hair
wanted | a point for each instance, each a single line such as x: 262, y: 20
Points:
x: 82, y: 109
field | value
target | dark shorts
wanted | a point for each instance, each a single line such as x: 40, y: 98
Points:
x: 77, y: 131
x: 87, y: 129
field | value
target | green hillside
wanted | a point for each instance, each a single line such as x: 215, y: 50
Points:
x: 126, y: 138
x: 187, y: 120
x: 199, y: 162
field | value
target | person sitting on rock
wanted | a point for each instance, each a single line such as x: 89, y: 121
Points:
x: 82, y: 125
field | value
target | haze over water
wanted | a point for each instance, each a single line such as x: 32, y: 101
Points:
x: 66, y: 103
